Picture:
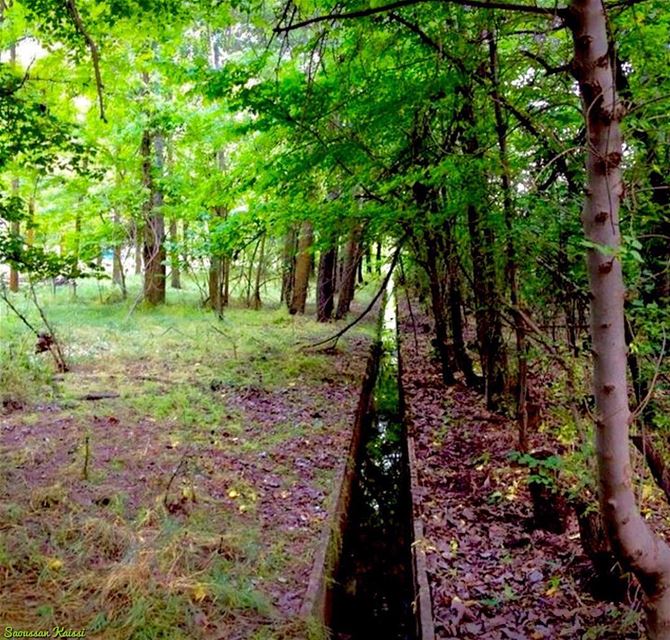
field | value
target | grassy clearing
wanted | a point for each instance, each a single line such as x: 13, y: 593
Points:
x: 187, y: 505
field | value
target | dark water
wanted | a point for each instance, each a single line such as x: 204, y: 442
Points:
x: 373, y: 590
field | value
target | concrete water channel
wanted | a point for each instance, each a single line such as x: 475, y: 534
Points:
x: 369, y: 581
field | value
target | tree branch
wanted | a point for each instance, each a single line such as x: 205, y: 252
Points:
x: 335, y: 337
x: 93, y: 48
x: 399, y: 4
x: 549, y: 69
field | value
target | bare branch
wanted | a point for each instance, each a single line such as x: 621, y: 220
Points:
x: 549, y: 69
x: 399, y: 4
x: 93, y: 48
x: 335, y: 337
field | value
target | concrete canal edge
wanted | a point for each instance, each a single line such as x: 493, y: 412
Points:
x: 316, y: 603
x: 423, y: 603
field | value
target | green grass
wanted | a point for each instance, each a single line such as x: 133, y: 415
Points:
x: 153, y: 563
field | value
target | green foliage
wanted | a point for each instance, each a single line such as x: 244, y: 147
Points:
x: 543, y: 470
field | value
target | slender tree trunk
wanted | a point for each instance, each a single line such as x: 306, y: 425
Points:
x: 154, y: 226
x: 639, y: 549
x: 217, y: 264
x: 175, y: 268
x: 185, y: 246
x: 226, y: 265
x: 302, y: 269
x: 455, y: 303
x: 325, y: 289
x: 288, y: 267
x: 487, y: 296
x: 15, y: 226
x: 257, y: 303
x: 117, y: 260
x: 118, y: 272
x: 30, y: 231
x: 348, y: 279
x: 435, y: 282
x: 137, y: 241
x: 247, y: 297
x: 511, y: 270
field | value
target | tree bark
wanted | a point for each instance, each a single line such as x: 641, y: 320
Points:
x: 257, y: 303
x: 485, y: 287
x: 118, y: 273
x: 137, y: 241
x: 154, y: 225
x: 511, y: 266
x: 217, y: 269
x: 325, y: 289
x: 439, y: 315
x: 302, y: 269
x: 15, y: 230
x: 175, y: 269
x: 639, y: 549
x: 348, y: 279
x: 288, y: 267
x: 455, y: 304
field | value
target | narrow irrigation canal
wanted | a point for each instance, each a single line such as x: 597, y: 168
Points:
x: 373, y: 591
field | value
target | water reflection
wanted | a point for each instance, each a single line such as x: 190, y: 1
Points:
x: 373, y: 590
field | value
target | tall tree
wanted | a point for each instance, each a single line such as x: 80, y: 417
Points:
x: 303, y: 267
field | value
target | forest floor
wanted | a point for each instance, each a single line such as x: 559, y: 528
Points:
x: 491, y: 574
x: 174, y: 484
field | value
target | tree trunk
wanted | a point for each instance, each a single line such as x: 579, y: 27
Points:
x: 638, y: 548
x: 154, y: 226
x: 455, y: 303
x: 118, y: 273
x: 137, y: 241
x: 325, y: 289
x: 117, y: 260
x: 257, y: 303
x: 288, y: 267
x: 175, y: 269
x: 15, y: 230
x: 217, y: 267
x: 15, y: 226
x: 485, y: 288
x: 511, y: 270
x: 302, y: 268
x: 439, y: 315
x: 348, y: 279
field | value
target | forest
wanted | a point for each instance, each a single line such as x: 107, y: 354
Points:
x: 335, y: 320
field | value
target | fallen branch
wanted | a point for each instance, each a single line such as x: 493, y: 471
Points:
x: 101, y: 395
x: 367, y: 310
x: 45, y: 341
